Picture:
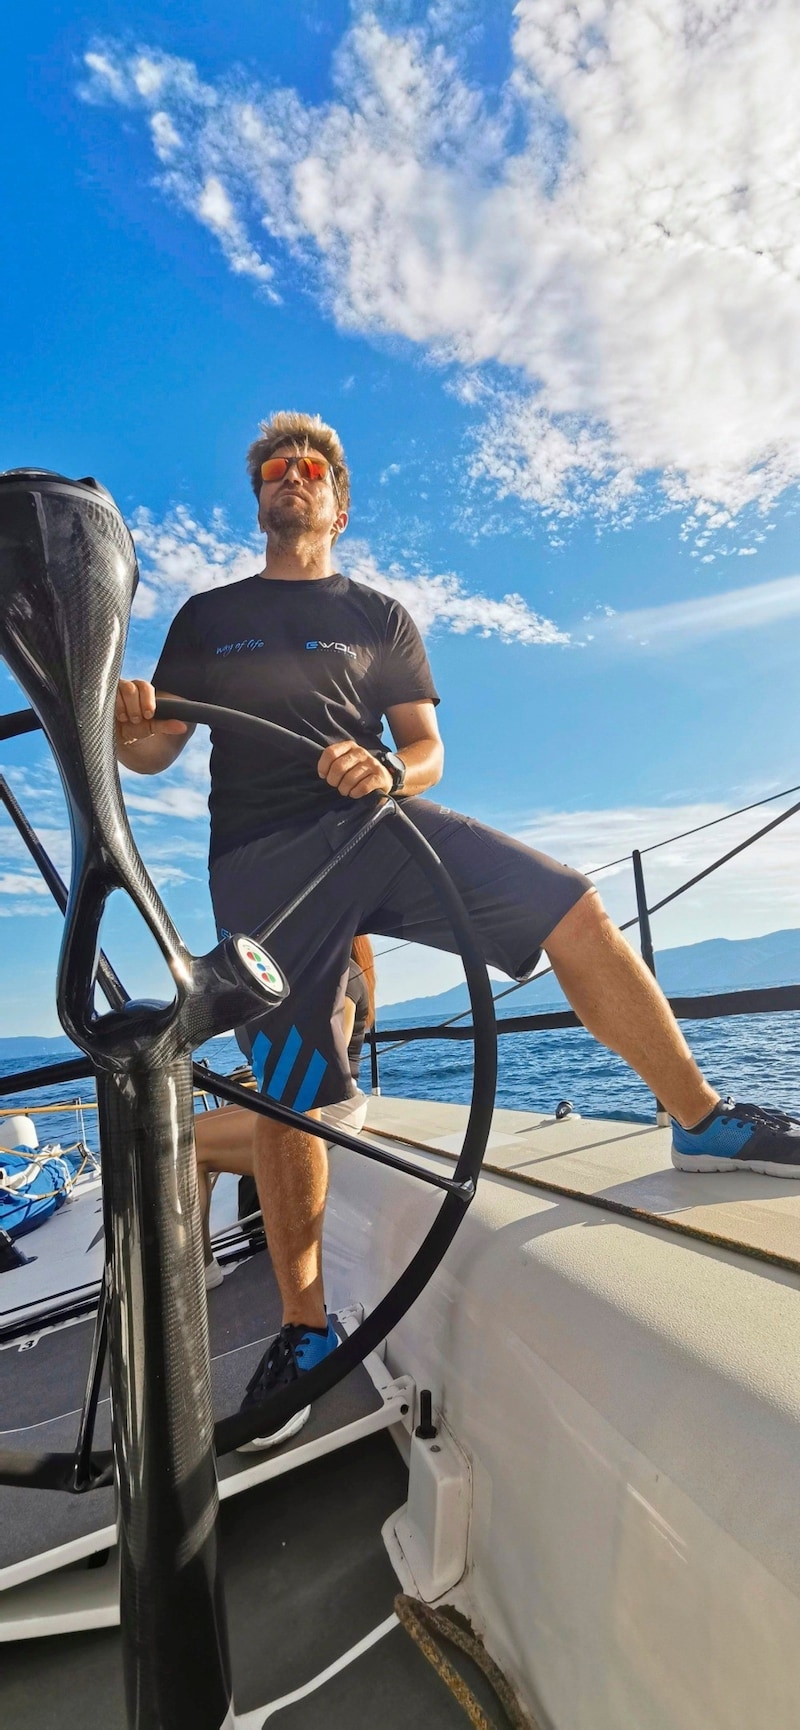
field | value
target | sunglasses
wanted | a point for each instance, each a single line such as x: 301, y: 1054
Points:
x: 311, y: 469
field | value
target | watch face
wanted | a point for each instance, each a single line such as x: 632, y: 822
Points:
x: 395, y: 766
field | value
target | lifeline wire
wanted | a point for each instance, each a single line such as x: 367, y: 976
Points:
x: 654, y: 845
x: 664, y: 902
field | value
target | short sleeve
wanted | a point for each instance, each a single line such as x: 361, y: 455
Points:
x: 405, y: 675
x: 180, y: 661
x: 356, y: 989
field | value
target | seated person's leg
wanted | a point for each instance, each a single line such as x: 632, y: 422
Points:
x: 349, y: 1114
x: 223, y: 1141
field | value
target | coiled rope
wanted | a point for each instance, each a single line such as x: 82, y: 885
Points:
x: 432, y: 1630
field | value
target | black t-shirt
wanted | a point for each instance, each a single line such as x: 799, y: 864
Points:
x: 325, y: 659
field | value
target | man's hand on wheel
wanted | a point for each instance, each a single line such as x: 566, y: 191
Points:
x: 134, y: 711
x: 353, y: 770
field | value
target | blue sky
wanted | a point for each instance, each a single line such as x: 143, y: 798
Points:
x: 539, y: 267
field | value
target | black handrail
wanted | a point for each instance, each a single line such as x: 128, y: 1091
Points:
x: 709, y: 1006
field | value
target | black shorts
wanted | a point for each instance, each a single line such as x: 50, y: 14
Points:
x: 514, y: 895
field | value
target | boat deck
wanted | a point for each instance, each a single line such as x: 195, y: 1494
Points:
x: 310, y: 1595
x: 310, y: 1589
x: 622, y: 1166
x: 285, y: 1546
x: 43, y: 1377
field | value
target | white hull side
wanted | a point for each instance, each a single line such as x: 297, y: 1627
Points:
x: 630, y: 1403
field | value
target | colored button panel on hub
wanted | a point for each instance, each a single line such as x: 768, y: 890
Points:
x: 261, y: 965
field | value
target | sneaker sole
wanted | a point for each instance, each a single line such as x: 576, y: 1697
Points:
x: 712, y: 1162
x: 284, y: 1434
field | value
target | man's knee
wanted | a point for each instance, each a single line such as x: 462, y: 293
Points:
x: 586, y: 917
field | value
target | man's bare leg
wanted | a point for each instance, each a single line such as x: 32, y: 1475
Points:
x: 291, y: 1173
x: 619, y: 1001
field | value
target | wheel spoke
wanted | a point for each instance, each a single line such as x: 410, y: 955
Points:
x: 233, y: 1094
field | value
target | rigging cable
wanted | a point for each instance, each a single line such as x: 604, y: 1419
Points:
x: 664, y: 902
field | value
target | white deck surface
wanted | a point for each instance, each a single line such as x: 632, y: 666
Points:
x: 623, y: 1163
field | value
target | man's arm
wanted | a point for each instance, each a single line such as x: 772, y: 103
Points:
x: 143, y: 744
x: 354, y: 772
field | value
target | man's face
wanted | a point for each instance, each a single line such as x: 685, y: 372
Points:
x: 295, y: 506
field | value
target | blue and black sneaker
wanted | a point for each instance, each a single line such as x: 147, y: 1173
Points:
x: 735, y: 1137
x: 294, y: 1350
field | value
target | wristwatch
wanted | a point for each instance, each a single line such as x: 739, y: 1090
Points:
x: 395, y: 766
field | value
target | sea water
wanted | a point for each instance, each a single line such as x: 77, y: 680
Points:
x: 754, y: 1057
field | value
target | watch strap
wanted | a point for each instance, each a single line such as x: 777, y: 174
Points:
x: 395, y: 766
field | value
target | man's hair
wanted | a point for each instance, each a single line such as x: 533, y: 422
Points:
x: 309, y: 432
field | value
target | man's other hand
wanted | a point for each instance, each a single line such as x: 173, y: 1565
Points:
x: 353, y: 770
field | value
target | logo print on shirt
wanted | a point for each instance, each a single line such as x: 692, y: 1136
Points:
x: 340, y: 648
x: 236, y: 648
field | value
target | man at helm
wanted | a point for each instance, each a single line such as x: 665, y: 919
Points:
x: 301, y: 645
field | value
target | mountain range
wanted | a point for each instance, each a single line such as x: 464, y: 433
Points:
x: 717, y: 964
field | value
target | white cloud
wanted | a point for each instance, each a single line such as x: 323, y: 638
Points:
x: 166, y: 876
x: 37, y: 788
x: 23, y: 893
x: 441, y: 603
x: 21, y: 883
x: 757, y: 892
x: 607, y: 251
x: 216, y: 211
x: 214, y: 206
x: 170, y: 801
x: 166, y: 140
x: 56, y: 841
x: 181, y: 556
x: 181, y: 793
x: 682, y: 622
x: 148, y: 76
x: 105, y: 80
x: 26, y: 910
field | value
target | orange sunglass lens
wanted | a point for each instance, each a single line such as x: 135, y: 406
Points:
x: 311, y: 468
